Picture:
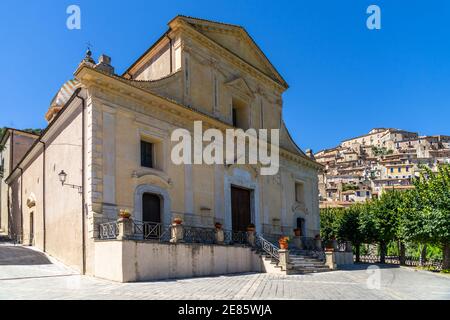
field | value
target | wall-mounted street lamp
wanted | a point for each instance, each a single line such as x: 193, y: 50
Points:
x: 63, y: 176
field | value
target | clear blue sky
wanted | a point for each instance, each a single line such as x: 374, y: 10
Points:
x: 344, y: 79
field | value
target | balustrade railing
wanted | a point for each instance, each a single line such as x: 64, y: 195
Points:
x: 108, y: 230
x: 235, y: 237
x: 199, y: 235
x: 409, y: 261
x: 267, y: 246
x: 147, y: 230
x: 308, y: 243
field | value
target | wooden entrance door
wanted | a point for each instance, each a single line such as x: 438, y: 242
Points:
x: 241, y: 215
x: 151, y: 216
x: 151, y: 208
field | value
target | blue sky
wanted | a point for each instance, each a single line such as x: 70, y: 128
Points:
x: 344, y: 79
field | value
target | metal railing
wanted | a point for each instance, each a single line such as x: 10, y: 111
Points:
x: 235, y: 237
x: 267, y: 246
x: 147, y: 230
x: 162, y: 233
x: 108, y: 230
x: 308, y: 243
x: 199, y: 235
x: 409, y: 261
x: 344, y: 246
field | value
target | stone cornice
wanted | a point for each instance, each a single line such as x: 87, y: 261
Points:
x: 229, y: 29
x: 228, y: 55
x: 119, y: 86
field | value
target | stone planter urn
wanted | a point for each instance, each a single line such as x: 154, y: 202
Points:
x: 220, y: 236
x: 176, y: 232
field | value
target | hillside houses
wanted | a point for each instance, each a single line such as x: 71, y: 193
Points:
x: 364, y: 167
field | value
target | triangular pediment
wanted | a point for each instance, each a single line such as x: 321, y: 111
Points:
x: 236, y: 40
x: 239, y: 85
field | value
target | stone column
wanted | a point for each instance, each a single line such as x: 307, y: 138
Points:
x: 125, y: 228
x: 330, y: 260
x: 177, y: 233
x: 284, y: 259
x: 220, y: 236
x: 251, y: 238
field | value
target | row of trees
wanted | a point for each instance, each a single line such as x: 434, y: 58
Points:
x: 420, y: 215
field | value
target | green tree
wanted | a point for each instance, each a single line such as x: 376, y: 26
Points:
x: 427, y: 219
x: 380, y: 221
x: 329, y: 222
x: 348, y: 227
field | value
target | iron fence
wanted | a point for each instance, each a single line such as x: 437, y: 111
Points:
x: 409, y: 261
x: 267, y: 246
x: 108, y: 230
x: 235, y: 237
x: 147, y: 230
x: 199, y: 235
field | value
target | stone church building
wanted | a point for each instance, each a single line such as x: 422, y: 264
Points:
x: 107, y: 148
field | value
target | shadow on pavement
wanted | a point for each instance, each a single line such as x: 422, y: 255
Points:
x: 12, y: 255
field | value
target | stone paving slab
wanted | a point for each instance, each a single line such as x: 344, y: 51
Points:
x: 40, y: 278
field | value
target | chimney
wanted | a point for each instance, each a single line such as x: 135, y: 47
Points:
x: 104, y: 64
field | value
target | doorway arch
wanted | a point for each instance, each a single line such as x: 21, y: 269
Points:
x: 162, y: 194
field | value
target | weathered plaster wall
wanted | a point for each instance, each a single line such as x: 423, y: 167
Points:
x: 5, y: 156
x: 33, y: 190
x: 63, y: 203
x: 130, y: 261
x: 158, y: 66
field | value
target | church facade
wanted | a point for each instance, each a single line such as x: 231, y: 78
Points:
x: 107, y: 148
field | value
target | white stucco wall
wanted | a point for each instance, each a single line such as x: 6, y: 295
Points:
x: 128, y: 261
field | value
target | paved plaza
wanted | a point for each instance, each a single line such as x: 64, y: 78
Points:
x: 29, y: 274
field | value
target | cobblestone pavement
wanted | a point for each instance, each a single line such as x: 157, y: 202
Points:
x: 29, y: 274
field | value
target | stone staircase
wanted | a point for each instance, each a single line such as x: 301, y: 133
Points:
x: 300, y: 262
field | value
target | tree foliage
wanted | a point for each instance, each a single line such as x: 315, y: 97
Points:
x: 420, y: 215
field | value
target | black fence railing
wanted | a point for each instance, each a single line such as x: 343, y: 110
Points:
x: 409, y: 261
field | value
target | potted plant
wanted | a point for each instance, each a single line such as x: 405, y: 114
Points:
x: 297, y: 232
x: 124, y: 214
x: 177, y: 220
x: 251, y: 227
x: 329, y: 247
x: 218, y: 225
x: 284, y: 242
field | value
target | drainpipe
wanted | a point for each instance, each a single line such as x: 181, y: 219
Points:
x: 43, y: 196
x: 83, y: 224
